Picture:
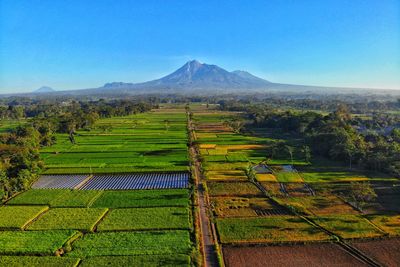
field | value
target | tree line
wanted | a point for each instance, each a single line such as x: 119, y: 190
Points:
x: 336, y: 135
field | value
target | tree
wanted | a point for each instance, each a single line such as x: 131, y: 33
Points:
x: 361, y: 193
x: 307, y: 153
x: 290, y: 150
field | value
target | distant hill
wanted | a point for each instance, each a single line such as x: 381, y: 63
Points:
x: 44, y: 89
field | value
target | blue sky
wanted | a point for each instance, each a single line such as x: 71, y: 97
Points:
x: 82, y: 44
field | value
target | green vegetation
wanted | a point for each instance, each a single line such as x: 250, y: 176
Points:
x: 20, y: 162
x: 34, y: 261
x: 233, y: 189
x: 68, y: 218
x: 388, y: 223
x: 239, y: 206
x: 348, y: 226
x: 146, y: 218
x: 56, y: 197
x: 143, y: 198
x: 153, y: 261
x: 135, y: 143
x: 75, y: 198
x: 268, y: 229
x: 33, y: 242
x: 18, y: 216
x: 317, y: 205
x: 36, y: 197
x: 132, y: 243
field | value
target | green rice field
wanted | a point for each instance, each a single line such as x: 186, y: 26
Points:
x: 145, y: 142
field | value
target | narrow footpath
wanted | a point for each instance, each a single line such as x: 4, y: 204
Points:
x: 207, y: 242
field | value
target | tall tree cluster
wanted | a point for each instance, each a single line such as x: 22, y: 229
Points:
x: 338, y: 135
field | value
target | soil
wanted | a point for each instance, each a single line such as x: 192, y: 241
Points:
x: 317, y: 254
x: 385, y: 251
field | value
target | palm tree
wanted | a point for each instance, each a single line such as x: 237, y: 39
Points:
x: 290, y: 150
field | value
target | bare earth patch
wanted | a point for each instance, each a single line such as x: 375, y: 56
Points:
x: 318, y: 254
x: 386, y: 251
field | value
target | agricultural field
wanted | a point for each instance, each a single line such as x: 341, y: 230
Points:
x: 56, y: 198
x: 21, y: 215
x: 83, y: 219
x: 137, y: 181
x: 146, y: 219
x: 143, y: 198
x: 35, y: 261
x: 34, y: 242
x: 318, y: 254
x: 384, y: 251
x: 276, y: 229
x: 88, y: 227
x: 173, y: 260
x: 348, y: 226
x: 60, y: 181
x: 146, y: 142
x: 318, y: 205
x: 259, y: 201
x: 244, y: 207
x: 120, y: 195
x: 233, y: 189
x: 132, y: 243
x: 7, y: 124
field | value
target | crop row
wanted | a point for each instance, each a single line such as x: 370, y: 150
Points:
x: 114, y: 181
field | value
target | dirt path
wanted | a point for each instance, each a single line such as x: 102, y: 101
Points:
x: 207, y: 242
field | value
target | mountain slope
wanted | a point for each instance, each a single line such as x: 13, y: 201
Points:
x: 195, y: 75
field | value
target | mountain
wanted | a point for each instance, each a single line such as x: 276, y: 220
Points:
x: 205, y: 79
x: 44, y: 89
x: 196, y: 75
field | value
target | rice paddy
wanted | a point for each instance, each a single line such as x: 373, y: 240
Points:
x: 259, y: 199
x: 146, y: 142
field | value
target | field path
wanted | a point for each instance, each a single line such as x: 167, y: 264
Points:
x: 208, y: 239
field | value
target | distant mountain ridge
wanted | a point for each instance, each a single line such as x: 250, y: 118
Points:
x: 198, y: 75
x: 44, y: 89
x: 205, y: 79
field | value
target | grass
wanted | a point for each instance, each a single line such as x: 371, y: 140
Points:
x: 145, y: 219
x: 132, y: 243
x: 273, y: 188
x: 56, y: 197
x: 226, y: 175
x: 143, y: 198
x: 388, y: 223
x: 34, y: 261
x: 233, y: 189
x: 153, y: 261
x: 288, y: 177
x: 348, y: 226
x: 318, y: 205
x: 18, y: 216
x: 33, y: 242
x: 141, y: 142
x: 267, y: 177
x: 75, y: 198
x: 239, y: 206
x: 37, y: 197
x: 268, y: 229
x: 7, y: 125
x: 68, y: 218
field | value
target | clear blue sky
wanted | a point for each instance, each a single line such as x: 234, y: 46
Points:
x: 85, y: 43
